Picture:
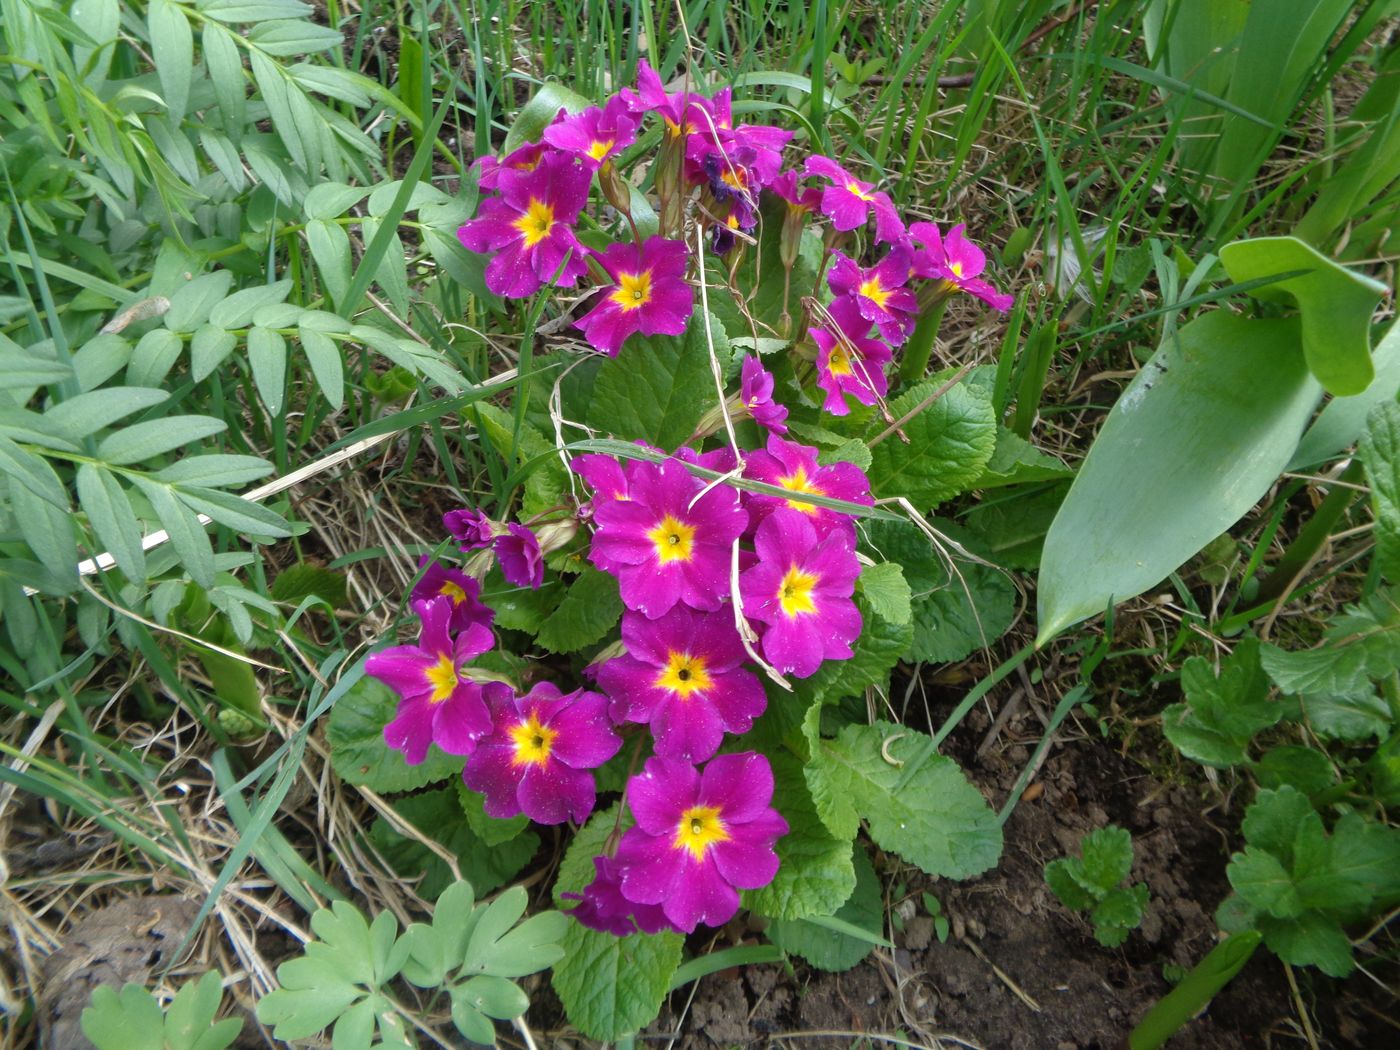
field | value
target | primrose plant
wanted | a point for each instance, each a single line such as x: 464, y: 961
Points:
x: 703, y: 563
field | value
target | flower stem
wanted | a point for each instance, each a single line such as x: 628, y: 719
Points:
x: 920, y: 346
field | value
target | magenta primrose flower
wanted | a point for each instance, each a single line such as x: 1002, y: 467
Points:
x: 650, y: 295
x: 530, y: 227
x: 470, y: 527
x: 756, y: 396
x: 605, y: 909
x: 804, y: 200
x: 700, y: 837
x: 848, y: 201
x: 801, y: 588
x: 664, y: 544
x: 682, y: 674
x: 524, y: 159
x: 794, y: 467
x: 955, y: 261
x: 596, y: 135
x: 438, y: 581
x: 684, y: 112
x: 602, y: 474
x: 879, y: 291
x: 537, y: 757
x: 518, y: 553
x: 849, y: 361
x: 438, y: 704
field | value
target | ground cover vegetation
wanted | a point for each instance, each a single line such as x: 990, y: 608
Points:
x: 512, y: 512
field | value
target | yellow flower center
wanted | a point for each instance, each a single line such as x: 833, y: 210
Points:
x: 684, y: 674
x: 453, y: 591
x: 875, y: 292
x: 674, y: 540
x: 699, y: 828
x: 532, y: 742
x: 795, y: 593
x: 536, y: 223
x: 956, y: 267
x: 633, y: 290
x: 598, y: 150
x: 733, y: 177
x: 839, y: 363
x: 798, y: 481
x: 443, y: 676
x: 854, y: 187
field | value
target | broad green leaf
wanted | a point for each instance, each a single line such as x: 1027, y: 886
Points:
x: 267, y: 353
x: 1195, y: 991
x: 237, y: 310
x: 1304, y: 768
x: 1016, y: 461
x: 1361, y: 645
x: 1348, y: 716
x: 658, y: 387
x: 253, y: 10
x: 355, y: 733
x: 874, y: 655
x: 950, y: 442
x: 22, y: 367
x: 492, y: 831
x: 1221, y: 714
x: 1060, y: 877
x: 576, y: 870
x: 1261, y: 879
x: 1312, y: 939
x: 887, y: 591
x: 827, y: 948
x: 86, y: 414
x: 144, y: 441
x: 330, y: 247
x: 296, y: 583
x: 815, y: 876
x: 590, y: 609
x: 1380, y: 451
x: 1191, y: 445
x: 1343, y: 419
x: 191, y: 303
x: 225, y: 64
x: 187, y: 535
x: 613, y: 986
x: 968, y: 608
x: 154, y: 356
x: 915, y: 802
x: 215, y: 469
x: 125, y: 1020
x: 327, y: 364
x: 109, y: 513
x: 1272, y: 821
x: 48, y: 529
x: 904, y: 542
x: 539, y: 113
x: 1365, y: 857
x: 284, y: 37
x: 172, y: 49
x: 234, y: 512
x: 209, y: 349
x: 1335, y: 304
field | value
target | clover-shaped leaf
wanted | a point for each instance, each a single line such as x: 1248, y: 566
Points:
x: 132, y: 1020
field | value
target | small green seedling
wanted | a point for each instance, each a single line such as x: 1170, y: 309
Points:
x: 133, y: 1020
x: 1090, y: 882
x: 940, y: 921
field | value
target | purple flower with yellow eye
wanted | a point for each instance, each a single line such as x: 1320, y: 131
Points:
x: 537, y: 758
x: 684, y: 112
x: 798, y: 199
x: 801, y: 589
x: 524, y: 159
x: 794, y: 467
x: 683, y: 675
x: 596, y: 135
x: 700, y: 837
x: 650, y: 295
x: 756, y: 397
x: 605, y: 909
x: 602, y: 474
x: 879, y: 292
x: 955, y: 262
x: 438, y: 703
x: 518, y: 554
x: 529, y: 226
x: 666, y: 543
x: 438, y: 581
x: 848, y: 201
x: 849, y: 361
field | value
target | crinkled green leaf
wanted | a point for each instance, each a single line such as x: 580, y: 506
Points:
x: 590, y: 609
x: 1312, y: 939
x: 1304, y: 768
x: 915, y: 802
x: 1362, y: 645
x: 1221, y: 714
x: 1380, y: 451
x: 1349, y: 716
x: 1119, y: 913
x: 492, y: 831
x: 355, y: 733
x: 613, y: 986
x: 950, y: 442
x: 829, y: 949
x: 886, y: 590
x: 1060, y: 877
x: 1016, y: 461
x: 1261, y: 879
x: 658, y: 387
x: 1106, y: 858
x: 815, y: 876
x: 874, y: 654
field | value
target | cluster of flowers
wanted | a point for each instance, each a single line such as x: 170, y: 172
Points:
x: 539, y: 191
x: 710, y: 576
